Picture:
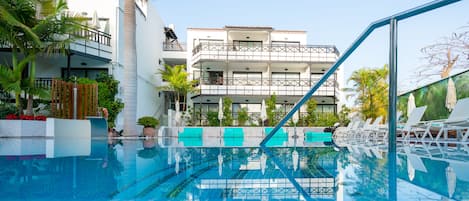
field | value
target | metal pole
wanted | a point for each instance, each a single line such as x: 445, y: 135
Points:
x: 392, y: 109
x: 69, y: 68
x: 75, y: 93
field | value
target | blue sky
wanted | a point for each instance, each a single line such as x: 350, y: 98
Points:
x: 328, y: 22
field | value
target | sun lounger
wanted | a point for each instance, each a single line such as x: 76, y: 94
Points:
x: 278, y: 138
x: 315, y: 136
x: 233, y: 136
x: 457, y: 121
x: 191, y: 136
x: 411, y: 124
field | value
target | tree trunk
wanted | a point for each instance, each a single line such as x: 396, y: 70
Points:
x: 130, y: 70
x: 32, y: 77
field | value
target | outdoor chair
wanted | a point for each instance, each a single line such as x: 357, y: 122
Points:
x: 278, y: 138
x: 411, y: 126
x: 360, y: 130
x: 457, y: 121
x: 191, y: 136
x: 233, y: 136
x: 316, y: 136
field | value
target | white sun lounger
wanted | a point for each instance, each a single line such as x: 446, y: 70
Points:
x: 411, y: 124
x: 458, y: 121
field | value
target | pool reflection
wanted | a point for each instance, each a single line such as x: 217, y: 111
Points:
x: 144, y: 170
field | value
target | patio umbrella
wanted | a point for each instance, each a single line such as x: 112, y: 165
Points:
x: 450, y: 180
x: 220, y: 164
x: 107, y: 28
x: 410, y: 170
x: 220, y: 112
x: 177, y: 159
x: 263, y: 163
x: 451, y: 98
x: 295, y: 121
x: 263, y: 112
x: 177, y: 116
x: 295, y: 158
x: 95, y: 21
x: 410, y: 104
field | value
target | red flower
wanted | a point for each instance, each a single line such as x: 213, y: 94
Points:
x: 27, y: 117
x: 11, y: 116
x: 40, y: 118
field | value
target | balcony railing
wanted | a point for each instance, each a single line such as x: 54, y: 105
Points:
x: 44, y: 83
x: 230, y: 51
x: 254, y: 118
x: 94, y: 35
x: 174, y: 46
x: 243, y: 86
x: 89, y: 41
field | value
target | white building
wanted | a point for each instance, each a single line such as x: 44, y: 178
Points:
x: 104, y: 50
x: 249, y: 64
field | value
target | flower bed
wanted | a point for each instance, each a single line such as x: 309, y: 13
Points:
x: 25, y: 117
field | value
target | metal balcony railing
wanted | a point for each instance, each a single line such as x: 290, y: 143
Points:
x: 231, y: 51
x: 86, y: 33
x: 254, y: 118
x: 94, y: 35
x: 243, y: 86
x: 174, y: 46
x: 44, y: 83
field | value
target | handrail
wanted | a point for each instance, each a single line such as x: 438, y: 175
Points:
x: 382, y: 22
x: 264, y: 48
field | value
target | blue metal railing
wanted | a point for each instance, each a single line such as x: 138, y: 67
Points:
x: 393, y: 76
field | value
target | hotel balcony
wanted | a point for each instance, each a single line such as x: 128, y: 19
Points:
x: 264, y: 53
x: 265, y: 87
x: 174, y: 53
x: 92, y: 43
x: 95, y: 43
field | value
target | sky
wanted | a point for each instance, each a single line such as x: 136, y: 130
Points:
x: 331, y: 22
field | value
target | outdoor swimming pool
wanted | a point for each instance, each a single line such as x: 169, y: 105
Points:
x: 164, y: 169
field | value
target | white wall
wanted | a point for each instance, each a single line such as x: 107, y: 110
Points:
x: 149, y: 36
x: 289, y: 36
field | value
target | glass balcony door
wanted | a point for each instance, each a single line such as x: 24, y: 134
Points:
x: 247, y: 78
x: 285, y: 79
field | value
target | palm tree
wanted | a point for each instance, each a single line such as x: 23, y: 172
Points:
x: 177, y: 79
x: 56, y: 31
x: 31, y: 34
x: 370, y: 88
x: 130, y: 69
x: 16, y: 18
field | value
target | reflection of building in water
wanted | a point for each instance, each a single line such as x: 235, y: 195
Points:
x: 51, y: 170
x: 243, y: 178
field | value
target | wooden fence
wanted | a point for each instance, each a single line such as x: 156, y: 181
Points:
x: 62, y: 100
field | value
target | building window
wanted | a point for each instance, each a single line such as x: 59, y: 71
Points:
x: 90, y: 73
x: 285, y: 79
x: 246, y: 45
x: 215, y: 77
x: 247, y: 78
x: 286, y: 43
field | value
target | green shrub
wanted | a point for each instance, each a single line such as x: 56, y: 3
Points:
x: 310, y: 118
x: 148, y: 121
x: 227, y: 116
x: 107, y: 91
x: 243, y: 116
x: 212, y: 118
x: 6, y: 109
x: 326, y: 120
x: 271, y: 108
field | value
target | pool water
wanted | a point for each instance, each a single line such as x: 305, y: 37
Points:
x: 164, y: 169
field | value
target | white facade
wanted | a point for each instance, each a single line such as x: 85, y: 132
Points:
x: 91, y: 57
x: 249, y: 64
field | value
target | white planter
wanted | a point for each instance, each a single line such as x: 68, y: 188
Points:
x: 22, y: 128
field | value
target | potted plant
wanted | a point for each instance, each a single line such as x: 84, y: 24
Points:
x: 149, y: 125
